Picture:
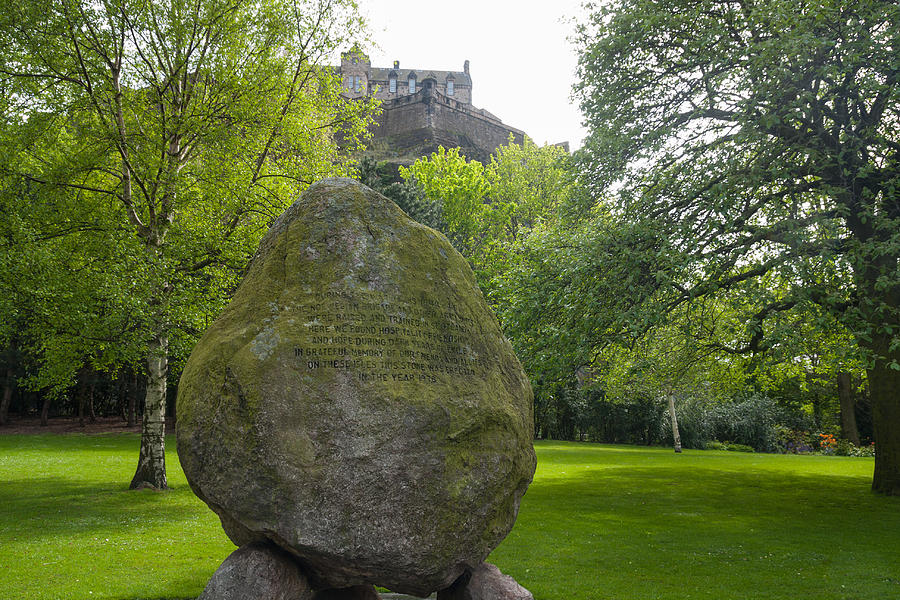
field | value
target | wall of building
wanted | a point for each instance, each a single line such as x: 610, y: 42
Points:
x: 426, y: 120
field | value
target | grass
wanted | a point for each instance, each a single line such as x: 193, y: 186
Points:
x: 599, y: 522
x: 71, y: 530
x: 623, y: 522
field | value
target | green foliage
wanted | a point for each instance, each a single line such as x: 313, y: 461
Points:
x: 845, y: 448
x: 72, y: 286
x: 140, y: 166
x: 407, y: 194
x: 485, y: 210
x: 728, y: 446
x: 749, y: 422
x: 461, y: 189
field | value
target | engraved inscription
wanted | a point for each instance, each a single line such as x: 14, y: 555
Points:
x: 387, y: 340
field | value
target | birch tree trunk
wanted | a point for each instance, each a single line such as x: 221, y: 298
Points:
x: 151, y: 469
x: 676, y: 435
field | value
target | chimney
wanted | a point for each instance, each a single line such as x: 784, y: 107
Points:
x: 396, y: 64
x: 466, y: 67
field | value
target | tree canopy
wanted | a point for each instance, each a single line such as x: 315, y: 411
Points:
x: 755, y: 146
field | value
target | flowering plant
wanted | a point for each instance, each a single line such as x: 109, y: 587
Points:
x: 827, y: 443
x: 826, y: 440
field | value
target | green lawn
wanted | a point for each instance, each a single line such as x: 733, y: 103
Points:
x: 599, y: 522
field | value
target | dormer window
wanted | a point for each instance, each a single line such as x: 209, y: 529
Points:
x: 392, y: 84
x: 412, y: 84
x: 450, y: 88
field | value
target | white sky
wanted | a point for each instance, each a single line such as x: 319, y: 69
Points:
x: 521, y: 62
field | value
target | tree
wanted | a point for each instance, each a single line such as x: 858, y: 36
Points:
x: 758, y: 143
x: 486, y: 210
x: 678, y: 360
x: 193, y: 123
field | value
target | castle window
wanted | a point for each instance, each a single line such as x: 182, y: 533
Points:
x: 393, y: 85
x: 412, y: 84
x: 450, y: 88
x: 358, y: 83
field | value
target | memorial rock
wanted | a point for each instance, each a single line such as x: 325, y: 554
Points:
x: 356, y: 404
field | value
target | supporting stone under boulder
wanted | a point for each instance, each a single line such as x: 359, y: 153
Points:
x: 258, y: 572
x: 486, y: 582
x: 357, y: 592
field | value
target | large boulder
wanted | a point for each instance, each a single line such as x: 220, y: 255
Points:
x: 356, y: 403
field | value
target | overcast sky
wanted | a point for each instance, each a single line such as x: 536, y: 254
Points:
x: 521, y: 63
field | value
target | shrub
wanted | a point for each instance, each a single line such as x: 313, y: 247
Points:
x: 730, y: 446
x: 695, y: 424
x: 738, y: 447
x: 749, y: 422
x: 866, y: 451
x: 792, y: 441
x: 848, y: 448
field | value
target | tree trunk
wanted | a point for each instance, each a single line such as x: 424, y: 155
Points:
x: 132, y: 399
x: 81, y: 393
x: 884, y: 388
x: 676, y: 435
x: 849, y: 431
x: 121, y: 397
x: 45, y: 411
x: 7, y: 395
x: 151, y: 469
x: 92, y: 415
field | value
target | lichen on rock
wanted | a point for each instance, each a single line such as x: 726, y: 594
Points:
x: 356, y: 403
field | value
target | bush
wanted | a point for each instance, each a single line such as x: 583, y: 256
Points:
x: 749, y: 422
x: 738, y: 447
x: 793, y: 441
x: 866, y: 451
x: 848, y: 448
x: 695, y: 424
x: 729, y: 446
x: 827, y: 443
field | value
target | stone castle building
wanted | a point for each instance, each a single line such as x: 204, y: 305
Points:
x: 423, y: 109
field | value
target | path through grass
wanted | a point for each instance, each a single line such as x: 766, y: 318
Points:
x: 599, y: 522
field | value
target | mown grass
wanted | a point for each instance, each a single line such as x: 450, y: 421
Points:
x: 71, y: 529
x: 599, y: 522
x: 621, y: 522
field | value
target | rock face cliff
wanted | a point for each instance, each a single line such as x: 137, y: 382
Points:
x: 356, y: 404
